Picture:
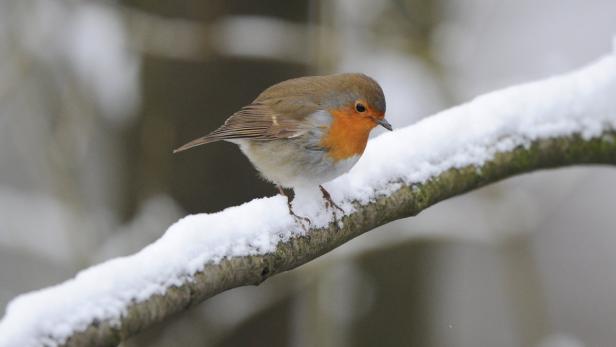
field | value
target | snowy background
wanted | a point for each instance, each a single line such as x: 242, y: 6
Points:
x: 93, y: 96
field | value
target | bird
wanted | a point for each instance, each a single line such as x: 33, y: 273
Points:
x: 305, y: 131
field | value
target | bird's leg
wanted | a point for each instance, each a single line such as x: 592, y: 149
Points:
x: 299, y: 219
x: 329, y: 202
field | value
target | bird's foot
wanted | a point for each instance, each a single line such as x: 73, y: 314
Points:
x: 298, y: 219
x: 303, y: 221
x: 329, y: 203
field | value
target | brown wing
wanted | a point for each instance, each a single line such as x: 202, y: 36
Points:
x: 269, y: 119
x: 257, y: 121
x: 280, y: 110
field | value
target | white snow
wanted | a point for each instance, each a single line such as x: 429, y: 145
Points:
x: 581, y: 102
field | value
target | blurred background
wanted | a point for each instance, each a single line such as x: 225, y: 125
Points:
x: 94, y: 95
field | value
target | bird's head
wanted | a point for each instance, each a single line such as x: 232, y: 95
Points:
x: 357, y: 105
x: 358, y: 98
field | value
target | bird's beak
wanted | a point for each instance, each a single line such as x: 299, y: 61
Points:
x: 385, y: 124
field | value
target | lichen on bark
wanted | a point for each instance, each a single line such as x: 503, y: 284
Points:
x: 408, y: 200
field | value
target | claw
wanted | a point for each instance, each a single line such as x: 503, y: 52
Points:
x: 329, y: 203
x: 298, y: 219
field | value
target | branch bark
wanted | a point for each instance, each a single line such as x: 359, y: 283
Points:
x: 565, y: 120
x: 408, y: 200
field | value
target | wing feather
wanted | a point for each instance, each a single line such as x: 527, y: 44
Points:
x: 258, y: 121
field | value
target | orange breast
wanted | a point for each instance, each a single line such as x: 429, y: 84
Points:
x: 348, y: 134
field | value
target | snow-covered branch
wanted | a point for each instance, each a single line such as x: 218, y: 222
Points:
x: 565, y: 120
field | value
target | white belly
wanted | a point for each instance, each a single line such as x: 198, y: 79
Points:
x: 290, y: 164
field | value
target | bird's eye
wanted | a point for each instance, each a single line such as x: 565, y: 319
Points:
x: 359, y: 107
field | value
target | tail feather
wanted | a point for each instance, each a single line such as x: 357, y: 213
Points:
x: 197, y: 142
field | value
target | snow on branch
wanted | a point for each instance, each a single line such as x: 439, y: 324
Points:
x: 565, y: 120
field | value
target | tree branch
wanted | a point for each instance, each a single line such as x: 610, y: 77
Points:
x: 407, y: 201
x: 569, y: 120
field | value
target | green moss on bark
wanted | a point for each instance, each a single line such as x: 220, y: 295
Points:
x: 407, y: 201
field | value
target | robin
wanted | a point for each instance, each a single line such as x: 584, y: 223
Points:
x: 305, y: 131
